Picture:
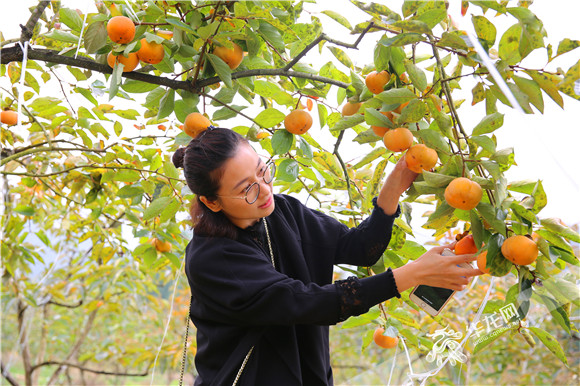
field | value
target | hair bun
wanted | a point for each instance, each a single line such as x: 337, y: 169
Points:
x: 178, y: 157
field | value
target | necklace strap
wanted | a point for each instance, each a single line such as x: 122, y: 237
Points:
x: 269, y: 242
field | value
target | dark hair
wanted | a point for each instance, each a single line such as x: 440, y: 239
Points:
x: 202, y: 161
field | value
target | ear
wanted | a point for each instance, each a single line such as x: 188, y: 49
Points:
x: 214, y: 206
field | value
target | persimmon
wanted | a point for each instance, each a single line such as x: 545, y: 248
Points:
x: 399, y: 139
x: 298, y: 122
x: 520, y: 250
x: 9, y: 117
x: 195, y: 123
x: 420, y: 157
x: 376, y: 81
x: 482, y: 262
x: 350, y: 108
x: 130, y: 62
x: 160, y: 245
x: 465, y: 246
x: 383, y: 340
x: 399, y: 109
x: 121, y: 29
x: 150, y: 52
x: 381, y: 130
x: 232, y: 56
x: 462, y: 193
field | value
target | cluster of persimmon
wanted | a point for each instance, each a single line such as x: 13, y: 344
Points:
x: 121, y: 30
x: 519, y: 249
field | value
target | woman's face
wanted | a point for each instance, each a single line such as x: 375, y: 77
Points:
x: 240, y: 171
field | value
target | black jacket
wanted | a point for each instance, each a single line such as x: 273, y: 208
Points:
x: 239, y: 300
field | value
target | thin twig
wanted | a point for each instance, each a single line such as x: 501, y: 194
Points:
x: 69, y: 364
x: 330, y: 40
x: 232, y: 109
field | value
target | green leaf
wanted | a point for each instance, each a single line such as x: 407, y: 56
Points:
x: 567, y: 45
x: 170, y: 170
x: 370, y: 157
x: 184, y: 27
x: 413, y: 26
x: 453, y: 40
x: 24, y: 210
x: 126, y: 175
x: 402, y: 39
x: 95, y: 36
x: 282, y: 141
x: 477, y: 229
x: 272, y: 90
x: 62, y: 36
x: 416, y: 75
x: 495, y: 260
x: 484, y: 29
x: 272, y: 35
x: 433, y: 17
x: 488, y: 212
x: 169, y: 212
x: 87, y: 94
x: 348, y: 122
x: 128, y: 191
x: 532, y: 90
x: 433, y: 139
x: 375, y: 118
x: 548, y: 83
x: 341, y: 56
x: 135, y: 86
x: 287, y: 170
x: 71, y: 19
x: 550, y: 342
x: 338, y: 18
x: 396, y: 96
x: 222, y: 69
x: 410, y: 7
x: 413, y: 112
x: 509, y: 45
x: 115, y: 80
x: 484, y: 341
x: 167, y: 104
x: 156, y: 207
x: 270, y: 118
x: 555, y: 226
x: 489, y: 124
x: 436, y: 179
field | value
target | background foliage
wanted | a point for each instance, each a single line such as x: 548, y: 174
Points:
x: 88, y: 182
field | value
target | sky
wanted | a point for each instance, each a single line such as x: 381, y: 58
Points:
x: 546, y: 146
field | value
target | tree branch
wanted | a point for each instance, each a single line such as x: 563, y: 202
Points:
x: 52, y: 363
x: 14, y: 53
x: 76, y: 347
x: 6, y: 374
x: 46, y: 149
x: 28, y: 29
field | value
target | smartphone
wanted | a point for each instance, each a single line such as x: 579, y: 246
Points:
x: 433, y: 299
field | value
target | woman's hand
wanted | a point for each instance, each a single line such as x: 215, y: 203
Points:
x: 397, y: 182
x: 443, y: 271
x: 436, y: 270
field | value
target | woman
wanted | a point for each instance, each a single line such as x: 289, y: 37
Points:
x: 260, y: 267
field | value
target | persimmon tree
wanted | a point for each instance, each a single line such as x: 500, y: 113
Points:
x: 89, y: 185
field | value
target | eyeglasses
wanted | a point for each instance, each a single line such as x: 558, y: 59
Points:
x: 252, y: 192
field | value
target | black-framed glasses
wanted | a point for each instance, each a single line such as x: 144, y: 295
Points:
x: 252, y: 192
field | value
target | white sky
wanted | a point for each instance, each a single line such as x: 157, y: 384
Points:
x: 546, y: 146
